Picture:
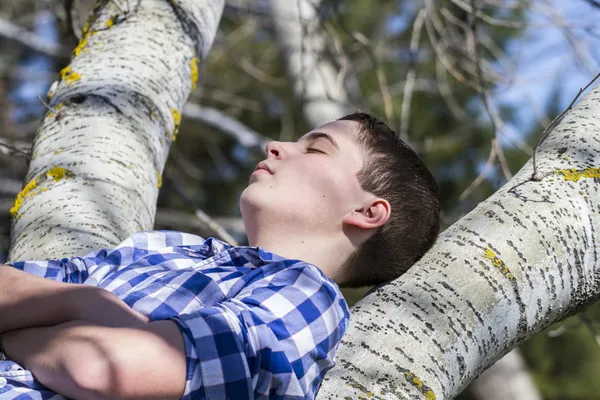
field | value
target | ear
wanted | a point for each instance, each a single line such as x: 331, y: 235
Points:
x: 373, y: 214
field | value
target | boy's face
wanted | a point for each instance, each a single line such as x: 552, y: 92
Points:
x: 308, y: 185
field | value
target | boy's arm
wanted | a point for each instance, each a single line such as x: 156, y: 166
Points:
x: 27, y: 301
x: 86, y: 361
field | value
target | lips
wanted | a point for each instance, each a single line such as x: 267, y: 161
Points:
x: 264, y: 167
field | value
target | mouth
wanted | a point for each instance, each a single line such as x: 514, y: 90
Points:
x: 262, y: 167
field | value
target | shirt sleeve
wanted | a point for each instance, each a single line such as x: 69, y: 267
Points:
x: 78, y: 269
x: 71, y: 270
x: 276, y: 339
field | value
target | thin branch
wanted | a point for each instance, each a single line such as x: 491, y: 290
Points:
x: 15, y: 148
x: 202, y: 216
x: 538, y: 177
x: 226, y: 124
x: 185, y: 165
x: 446, y: 91
x: 412, y: 74
x: 381, y: 77
x: 486, y: 18
x: 184, y: 221
x: 433, y: 26
x: 574, y: 43
x: 494, y: 117
x: 594, y: 3
x: 483, y: 174
x: 260, y: 75
x: 32, y: 41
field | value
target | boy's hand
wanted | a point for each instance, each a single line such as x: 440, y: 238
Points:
x: 82, y: 360
x: 101, y: 307
x: 29, y: 301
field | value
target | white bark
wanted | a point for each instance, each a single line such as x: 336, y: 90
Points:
x: 98, y: 156
x: 507, y: 379
x: 522, y: 260
x: 315, y: 80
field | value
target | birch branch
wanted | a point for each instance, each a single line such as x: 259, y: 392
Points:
x: 97, y: 160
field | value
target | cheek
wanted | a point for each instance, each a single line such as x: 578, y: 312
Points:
x: 332, y: 186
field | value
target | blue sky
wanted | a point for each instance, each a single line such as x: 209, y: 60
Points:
x: 546, y: 62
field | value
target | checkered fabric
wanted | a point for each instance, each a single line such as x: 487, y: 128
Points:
x: 255, y: 325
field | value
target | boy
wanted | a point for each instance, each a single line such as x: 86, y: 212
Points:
x: 169, y: 315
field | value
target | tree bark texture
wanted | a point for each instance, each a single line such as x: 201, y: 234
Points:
x: 523, y: 259
x: 98, y: 156
x: 316, y: 82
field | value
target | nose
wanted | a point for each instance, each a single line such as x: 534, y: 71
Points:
x: 274, y: 149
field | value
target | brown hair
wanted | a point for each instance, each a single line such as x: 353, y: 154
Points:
x: 394, y: 172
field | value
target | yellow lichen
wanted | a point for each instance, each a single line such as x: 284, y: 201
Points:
x: 57, y: 173
x: 69, y: 76
x: 575, y: 175
x: 51, y: 113
x: 80, y: 46
x: 26, y: 192
x: 110, y: 22
x: 498, y: 263
x: 418, y: 383
x: 429, y: 395
x: 176, y: 121
x: 194, y: 68
x: 57, y: 152
x: 159, y: 180
x: 86, y: 27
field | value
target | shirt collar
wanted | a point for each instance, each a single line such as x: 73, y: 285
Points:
x: 215, y: 246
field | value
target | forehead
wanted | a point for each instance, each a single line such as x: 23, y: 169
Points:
x: 345, y: 133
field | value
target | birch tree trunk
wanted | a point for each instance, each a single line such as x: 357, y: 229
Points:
x: 315, y: 80
x: 522, y: 260
x: 98, y: 156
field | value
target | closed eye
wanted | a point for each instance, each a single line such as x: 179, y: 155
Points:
x: 313, y: 150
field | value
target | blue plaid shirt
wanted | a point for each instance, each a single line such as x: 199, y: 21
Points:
x: 255, y: 325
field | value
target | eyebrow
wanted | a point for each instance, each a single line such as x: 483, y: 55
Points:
x: 322, y: 135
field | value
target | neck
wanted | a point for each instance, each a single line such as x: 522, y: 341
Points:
x: 327, y: 252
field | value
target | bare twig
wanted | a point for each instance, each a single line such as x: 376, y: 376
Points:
x: 486, y: 18
x: 202, y: 216
x: 185, y: 165
x: 32, y: 41
x: 260, y: 75
x: 483, y: 174
x: 116, y: 3
x: 233, y: 99
x: 411, y: 75
x: 536, y: 176
x: 446, y: 91
x: 184, y: 221
x: 223, y: 122
x: 494, y: 117
x: 381, y: 78
x: 574, y: 43
x: 590, y: 326
x: 14, y: 148
x: 433, y: 25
